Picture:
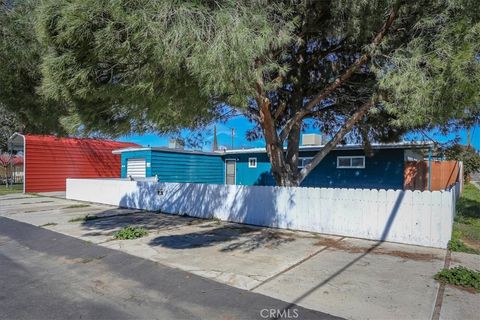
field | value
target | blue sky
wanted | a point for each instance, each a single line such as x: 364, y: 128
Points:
x: 241, y: 125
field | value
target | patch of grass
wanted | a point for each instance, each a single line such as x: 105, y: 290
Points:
x: 466, y: 228
x: 468, y: 206
x: 80, y: 205
x: 84, y: 218
x: 460, y: 276
x: 49, y: 224
x: 16, y: 188
x: 459, y: 246
x: 130, y: 233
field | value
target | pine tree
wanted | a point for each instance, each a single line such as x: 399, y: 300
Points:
x: 358, y: 70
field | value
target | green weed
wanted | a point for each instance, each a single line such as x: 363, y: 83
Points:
x: 130, y: 233
x: 460, y: 276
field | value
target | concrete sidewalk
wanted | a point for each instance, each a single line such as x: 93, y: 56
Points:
x: 347, y: 277
x: 46, y: 275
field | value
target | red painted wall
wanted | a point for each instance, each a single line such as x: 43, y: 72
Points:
x: 50, y: 160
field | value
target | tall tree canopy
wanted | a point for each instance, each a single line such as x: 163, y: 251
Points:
x: 20, y: 74
x: 364, y: 70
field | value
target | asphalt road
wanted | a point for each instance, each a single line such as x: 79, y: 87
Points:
x: 47, y: 275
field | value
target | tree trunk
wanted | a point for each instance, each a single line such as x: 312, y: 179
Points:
x: 282, y: 171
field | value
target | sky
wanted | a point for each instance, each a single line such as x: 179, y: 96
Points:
x: 241, y: 125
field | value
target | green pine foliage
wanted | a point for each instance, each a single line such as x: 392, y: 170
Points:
x: 434, y: 77
x: 122, y: 66
x: 20, y: 74
x: 164, y: 65
x: 136, y: 65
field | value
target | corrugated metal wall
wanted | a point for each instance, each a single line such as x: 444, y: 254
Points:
x: 50, y: 160
x: 171, y: 166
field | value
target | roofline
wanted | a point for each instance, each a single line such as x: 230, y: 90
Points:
x: 131, y: 149
x: 27, y: 135
x: 13, y: 137
x: 16, y: 134
x: 399, y: 145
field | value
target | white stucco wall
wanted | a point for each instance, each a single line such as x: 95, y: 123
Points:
x: 412, y: 217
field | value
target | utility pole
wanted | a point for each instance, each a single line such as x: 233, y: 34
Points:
x: 233, y: 134
x: 215, y: 142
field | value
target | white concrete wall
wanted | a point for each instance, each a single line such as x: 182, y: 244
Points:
x: 413, y: 217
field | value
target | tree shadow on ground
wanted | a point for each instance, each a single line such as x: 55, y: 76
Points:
x: 151, y: 221
x: 244, y: 238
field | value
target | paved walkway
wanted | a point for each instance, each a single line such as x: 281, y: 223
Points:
x: 350, y: 278
x: 46, y: 275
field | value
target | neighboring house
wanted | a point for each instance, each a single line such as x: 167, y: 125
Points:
x: 345, y: 167
x: 49, y: 160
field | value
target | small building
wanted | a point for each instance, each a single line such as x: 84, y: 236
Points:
x: 49, y: 160
x: 346, y: 166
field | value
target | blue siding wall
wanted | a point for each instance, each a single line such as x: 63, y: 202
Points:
x: 185, y: 167
x: 246, y: 176
x: 179, y: 167
x: 383, y: 170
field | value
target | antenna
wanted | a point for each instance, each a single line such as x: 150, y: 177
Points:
x: 215, y: 142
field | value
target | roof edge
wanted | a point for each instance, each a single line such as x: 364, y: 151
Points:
x: 400, y: 145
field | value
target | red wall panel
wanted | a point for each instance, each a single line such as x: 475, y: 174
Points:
x: 50, y: 160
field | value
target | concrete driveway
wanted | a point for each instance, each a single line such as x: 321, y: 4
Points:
x: 347, y: 277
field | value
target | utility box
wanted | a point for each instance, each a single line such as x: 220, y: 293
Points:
x: 176, y: 143
x: 311, y: 139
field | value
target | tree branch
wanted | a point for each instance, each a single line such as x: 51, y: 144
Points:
x: 280, y: 110
x: 347, y: 126
x: 344, y: 77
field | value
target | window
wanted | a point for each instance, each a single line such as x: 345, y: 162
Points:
x: 355, y: 162
x: 252, y: 162
x: 303, y: 161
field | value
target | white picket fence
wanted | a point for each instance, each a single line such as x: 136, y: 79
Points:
x: 412, y: 217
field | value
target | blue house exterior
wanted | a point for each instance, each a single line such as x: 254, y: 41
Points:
x: 345, y: 167
x: 171, y: 165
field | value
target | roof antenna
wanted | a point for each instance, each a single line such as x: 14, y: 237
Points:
x: 215, y: 142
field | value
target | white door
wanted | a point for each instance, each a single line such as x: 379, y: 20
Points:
x: 230, y: 171
x: 137, y: 168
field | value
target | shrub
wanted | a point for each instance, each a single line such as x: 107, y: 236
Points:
x: 470, y: 158
x: 130, y: 233
x: 460, y: 276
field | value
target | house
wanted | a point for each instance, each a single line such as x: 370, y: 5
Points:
x: 347, y: 166
x: 49, y: 160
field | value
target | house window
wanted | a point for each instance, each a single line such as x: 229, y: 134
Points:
x: 303, y: 161
x: 355, y: 162
x: 252, y: 162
